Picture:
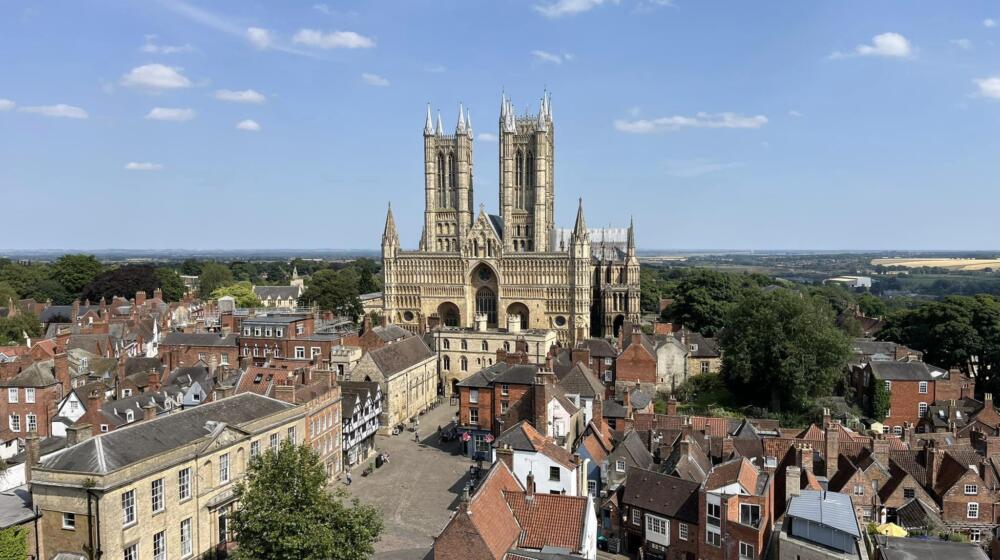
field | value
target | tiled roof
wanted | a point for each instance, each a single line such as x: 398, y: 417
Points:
x: 738, y: 470
x: 198, y: 339
x: 659, y: 493
x: 398, y: 356
x: 549, y: 520
x: 524, y: 437
x: 580, y: 380
x: 906, y: 371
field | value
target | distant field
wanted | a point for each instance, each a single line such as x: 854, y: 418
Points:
x: 953, y: 264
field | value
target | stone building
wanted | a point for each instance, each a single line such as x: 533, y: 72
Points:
x: 407, y: 375
x: 578, y: 282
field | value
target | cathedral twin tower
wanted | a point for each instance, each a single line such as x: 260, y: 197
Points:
x: 472, y: 267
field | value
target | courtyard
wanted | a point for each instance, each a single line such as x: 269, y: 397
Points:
x: 417, y: 489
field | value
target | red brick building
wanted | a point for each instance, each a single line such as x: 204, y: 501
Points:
x: 735, y: 508
x: 661, y: 515
x: 913, y: 388
x: 186, y: 349
x: 637, y: 361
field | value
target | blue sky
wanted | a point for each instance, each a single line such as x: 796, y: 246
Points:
x: 736, y: 125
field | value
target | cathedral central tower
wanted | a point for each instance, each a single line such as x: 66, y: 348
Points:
x: 527, y: 189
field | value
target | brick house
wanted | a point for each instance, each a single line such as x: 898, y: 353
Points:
x: 274, y: 335
x: 661, y: 515
x: 186, y: 349
x: 29, y: 398
x: 913, y: 388
x: 735, y: 505
x: 637, y: 361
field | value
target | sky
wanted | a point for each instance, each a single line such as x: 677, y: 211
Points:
x: 155, y: 124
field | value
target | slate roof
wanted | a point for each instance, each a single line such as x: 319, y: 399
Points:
x: 914, y: 549
x: 520, y: 374
x: 16, y: 506
x: 184, y: 377
x: 581, y: 380
x: 282, y: 319
x: 391, y: 332
x: 831, y: 509
x: 548, y: 520
x: 396, y: 357
x: 906, y: 371
x: 614, y: 409
x: 115, y: 450
x: 598, y: 347
x: 916, y: 515
x: 38, y: 374
x: 277, y: 292
x: 663, y: 494
x: 53, y: 312
x: 524, y: 437
x: 706, y: 347
x: 634, y: 447
x: 198, y: 339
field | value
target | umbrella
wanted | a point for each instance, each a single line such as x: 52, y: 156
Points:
x: 891, y: 530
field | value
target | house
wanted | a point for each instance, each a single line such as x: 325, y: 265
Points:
x: 735, y: 507
x: 186, y: 349
x: 637, y: 361
x: 582, y: 386
x: 282, y: 297
x: 361, y: 409
x: 539, y: 459
x: 630, y: 453
x: 600, y: 356
x: 28, y: 398
x: 703, y: 355
x: 820, y: 525
x: 594, y: 445
x: 406, y: 371
x: 660, y: 515
x: 671, y: 362
x: 286, y: 336
x: 913, y: 387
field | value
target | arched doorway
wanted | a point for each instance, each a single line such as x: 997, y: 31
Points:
x: 521, y: 310
x: 617, y: 325
x: 449, y: 315
x: 486, y: 304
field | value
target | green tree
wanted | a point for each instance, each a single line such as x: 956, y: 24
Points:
x: 13, y: 543
x: 213, y: 275
x: 781, y: 350
x: 334, y: 291
x: 879, y: 397
x: 8, y: 294
x: 241, y: 291
x: 872, y: 306
x: 191, y: 267
x: 34, y: 281
x: 13, y: 329
x: 170, y: 283
x: 75, y: 272
x: 704, y: 297
x: 367, y: 282
x: 286, y: 513
x: 125, y: 281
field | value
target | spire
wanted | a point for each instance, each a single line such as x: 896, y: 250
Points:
x: 468, y: 122
x: 548, y: 104
x: 631, y: 235
x: 429, y: 124
x: 503, y: 106
x: 440, y: 128
x: 390, y: 236
x: 460, y: 127
x: 581, y: 225
x: 542, y: 124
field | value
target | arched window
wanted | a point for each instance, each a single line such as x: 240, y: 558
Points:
x: 506, y: 346
x: 465, y: 344
x: 446, y: 363
x: 446, y: 344
x: 529, y: 197
x: 442, y: 192
x: 452, y: 183
x: 486, y: 346
x: 464, y: 363
x: 486, y: 304
x: 519, y: 180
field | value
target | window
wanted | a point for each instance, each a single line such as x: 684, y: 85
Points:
x: 126, y: 392
x: 314, y: 352
x: 246, y: 331
x: 713, y: 536
x: 12, y: 395
x: 224, y: 468
x: 203, y: 356
x: 184, y: 484
x: 128, y: 508
x: 473, y: 415
x: 186, y: 538
x: 504, y: 406
x: 131, y: 552
x: 129, y: 416
x: 160, y: 546
x: 291, y: 434
x: 465, y: 345
x: 885, y: 429
x: 909, y: 493
x: 750, y: 515
x: 473, y: 396
x: 15, y: 423
x: 156, y: 494
x: 922, y: 388
x: 713, y: 513
x: 279, y: 332
x: 592, y: 488
x: 975, y: 535
x: 267, y: 331
x: 636, y: 517
x: 32, y: 422
x: 859, y: 489
x: 446, y: 361
x: 888, y: 385
x: 620, y: 465
x: 223, y: 526
x: 274, y: 441
x: 445, y: 344
x: 682, y: 531
x: 486, y: 346
x: 897, y: 430
x: 656, y: 525
x: 463, y: 363
x: 74, y: 406
x: 922, y: 409
x: 69, y: 521
x: 256, y: 331
x: 971, y: 489
x: 300, y: 352
x: 972, y: 511
x: 224, y: 359
x: 505, y: 389
x: 554, y: 473
x: 746, y: 551
x: 704, y: 366
x: 29, y: 395
x: 299, y: 328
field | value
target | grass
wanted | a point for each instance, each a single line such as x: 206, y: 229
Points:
x: 955, y: 264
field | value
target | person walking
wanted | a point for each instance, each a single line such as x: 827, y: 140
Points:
x: 416, y: 437
x: 349, y: 479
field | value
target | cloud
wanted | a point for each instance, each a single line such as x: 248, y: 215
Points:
x: 332, y: 40
x: 435, y: 69
x: 561, y: 8
x: 696, y: 167
x: 323, y: 9
x: 964, y: 44
x: 59, y: 111
x: 544, y: 56
x: 374, y: 80
x: 989, y: 22
x: 486, y: 137
x: 6, y: 104
x: 794, y: 113
x: 259, y: 37
x: 248, y: 125
x: 700, y: 120
x: 143, y: 166
x: 989, y: 87
x: 152, y: 48
x: 244, y: 96
x: 170, y: 114
x: 156, y: 77
x: 888, y: 45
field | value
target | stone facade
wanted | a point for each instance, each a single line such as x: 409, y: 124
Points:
x: 577, y: 282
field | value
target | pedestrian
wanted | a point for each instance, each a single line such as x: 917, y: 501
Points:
x: 416, y: 437
x: 349, y: 479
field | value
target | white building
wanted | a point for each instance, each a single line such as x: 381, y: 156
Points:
x: 539, y: 462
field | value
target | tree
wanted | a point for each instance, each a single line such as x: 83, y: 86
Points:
x: 334, y: 291
x: 287, y: 513
x: 704, y: 297
x: 124, y: 281
x: 8, y: 294
x: 780, y: 349
x: 191, y: 267
x: 241, y: 291
x: 13, y: 543
x: 75, y: 272
x: 367, y: 283
x: 13, y: 329
x: 170, y: 283
x: 879, y: 397
x: 213, y: 275
x: 872, y: 306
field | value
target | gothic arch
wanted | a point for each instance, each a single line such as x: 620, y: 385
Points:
x: 486, y: 304
x: 520, y: 309
x: 442, y: 192
x: 616, y: 325
x: 449, y: 314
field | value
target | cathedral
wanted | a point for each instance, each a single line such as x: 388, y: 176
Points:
x: 473, y: 269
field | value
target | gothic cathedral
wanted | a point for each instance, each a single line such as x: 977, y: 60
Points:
x: 473, y: 267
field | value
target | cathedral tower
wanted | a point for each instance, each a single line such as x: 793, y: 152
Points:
x: 527, y: 188
x: 447, y: 183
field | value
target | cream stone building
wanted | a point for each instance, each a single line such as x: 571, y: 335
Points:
x: 161, y: 488
x: 407, y: 375
x: 577, y: 282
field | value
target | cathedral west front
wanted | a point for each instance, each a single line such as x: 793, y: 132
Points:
x: 472, y: 268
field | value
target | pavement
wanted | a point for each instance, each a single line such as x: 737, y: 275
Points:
x: 418, y: 488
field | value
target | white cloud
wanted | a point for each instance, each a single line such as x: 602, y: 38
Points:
x: 170, y: 114
x: 486, y: 137
x: 794, y: 113
x: 61, y: 110
x: 156, y: 77
x: 248, y: 125
x: 989, y: 87
x: 323, y: 9
x: 258, y: 37
x: 244, y: 96
x: 545, y: 56
x: 143, y: 166
x: 561, y: 8
x: 696, y: 167
x: 964, y: 44
x: 889, y: 45
x: 989, y: 22
x: 374, y: 80
x: 332, y: 40
x: 700, y: 120
x: 6, y: 104
x: 151, y: 47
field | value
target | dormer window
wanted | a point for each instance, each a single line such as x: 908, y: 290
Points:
x: 129, y: 416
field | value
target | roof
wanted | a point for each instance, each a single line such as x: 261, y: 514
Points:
x: 396, y: 357
x: 486, y: 520
x: 905, y: 371
x: 598, y: 347
x: 831, y: 509
x: 739, y: 470
x: 634, y: 447
x: 702, y: 346
x: 548, y: 520
x: 663, y: 494
x: 916, y: 515
x: 352, y: 390
x: 524, y: 437
x: 613, y: 409
x: 198, y: 339
x: 281, y: 319
x: 580, y: 380
x: 925, y: 549
x: 391, y: 332
x: 38, y: 374
x: 140, y: 441
x: 277, y: 292
x: 15, y: 506
x: 501, y: 372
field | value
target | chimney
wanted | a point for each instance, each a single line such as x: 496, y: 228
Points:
x: 463, y: 502
x: 671, y: 406
x: 506, y: 455
x: 880, y: 447
x: 213, y: 363
x: 95, y: 400
x: 285, y: 392
x: 636, y: 334
x: 907, y: 435
x: 580, y: 355
x: 583, y: 467
x: 140, y: 298
x: 158, y: 294
x: 513, y: 323
x: 826, y: 417
x: 148, y: 411
x: 61, y: 365
x: 481, y: 321
x: 685, y: 446
x: 77, y: 433
x: 793, y: 482
x: 831, y: 450
x: 31, y: 454
x: 804, y: 458
x: 933, y: 463
x: 992, y: 446
x: 153, y: 381
x: 727, y: 447
x: 74, y: 311
x: 529, y: 486
x: 540, y: 405
x: 597, y: 410
x: 121, y: 367
x: 223, y: 391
